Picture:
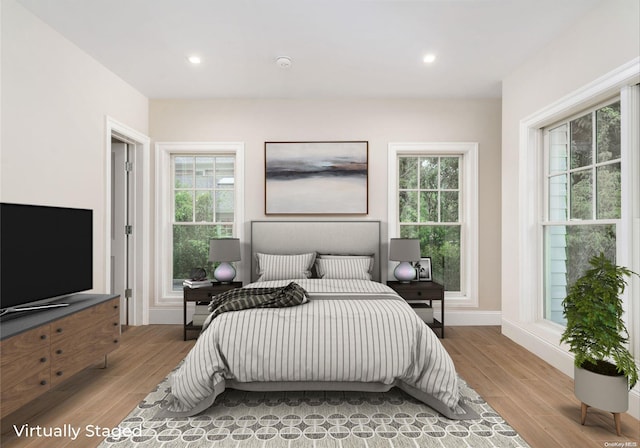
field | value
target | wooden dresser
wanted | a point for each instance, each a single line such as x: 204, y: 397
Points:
x: 41, y: 349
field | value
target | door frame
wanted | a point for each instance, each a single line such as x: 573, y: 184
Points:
x: 140, y: 182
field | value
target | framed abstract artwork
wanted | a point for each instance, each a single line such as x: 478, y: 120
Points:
x: 316, y: 178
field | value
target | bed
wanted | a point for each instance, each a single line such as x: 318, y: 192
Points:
x: 350, y: 333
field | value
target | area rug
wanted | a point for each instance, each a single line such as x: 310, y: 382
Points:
x: 313, y: 419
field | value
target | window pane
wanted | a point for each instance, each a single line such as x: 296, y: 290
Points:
x: 204, y: 172
x: 183, y: 206
x: 568, y: 250
x: 608, y: 132
x: 442, y: 244
x: 204, y: 206
x: 582, y: 195
x: 191, y: 248
x: 429, y: 173
x: 608, y: 191
x: 183, y: 167
x: 225, y: 169
x: 558, y: 198
x: 558, y: 149
x: 581, y: 141
x: 449, y: 206
x: 408, y: 175
x: 429, y: 206
x: 408, y: 206
x: 449, y: 173
x: 224, y: 206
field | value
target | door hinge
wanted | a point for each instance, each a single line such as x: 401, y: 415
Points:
x: 128, y: 230
x: 128, y: 166
x: 127, y: 293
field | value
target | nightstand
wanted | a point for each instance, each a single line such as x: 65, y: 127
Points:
x: 203, y: 294
x: 417, y: 294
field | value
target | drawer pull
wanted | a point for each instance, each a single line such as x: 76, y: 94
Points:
x: 115, y: 324
x: 43, y: 359
x: 43, y: 382
x: 59, y: 373
x: 43, y: 337
x: 58, y: 352
x: 419, y: 293
x: 58, y: 330
x: 115, y: 307
x: 115, y: 341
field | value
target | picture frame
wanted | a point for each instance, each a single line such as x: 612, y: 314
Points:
x: 423, y: 270
x: 316, y: 178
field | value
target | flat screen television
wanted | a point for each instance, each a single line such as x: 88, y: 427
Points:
x: 45, y: 253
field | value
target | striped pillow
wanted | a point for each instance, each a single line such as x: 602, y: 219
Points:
x: 344, y: 266
x: 284, y: 267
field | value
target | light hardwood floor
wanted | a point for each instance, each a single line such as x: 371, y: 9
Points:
x: 536, y: 399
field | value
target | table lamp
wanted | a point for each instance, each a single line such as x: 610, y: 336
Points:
x: 404, y: 250
x: 224, y: 250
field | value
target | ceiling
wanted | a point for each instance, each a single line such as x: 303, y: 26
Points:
x: 338, y: 48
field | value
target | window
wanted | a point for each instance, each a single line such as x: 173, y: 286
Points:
x: 530, y: 317
x: 583, y: 184
x: 429, y: 209
x: 201, y: 198
x: 433, y: 197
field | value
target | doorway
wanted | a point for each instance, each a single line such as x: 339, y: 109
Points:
x: 127, y: 221
x: 121, y: 226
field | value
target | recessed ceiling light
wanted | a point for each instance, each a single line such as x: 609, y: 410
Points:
x: 429, y: 58
x: 194, y: 59
x: 283, y: 61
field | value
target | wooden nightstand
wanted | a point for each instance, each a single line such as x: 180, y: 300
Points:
x: 417, y: 294
x: 203, y: 294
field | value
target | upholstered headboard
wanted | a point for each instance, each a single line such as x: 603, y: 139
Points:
x: 327, y: 237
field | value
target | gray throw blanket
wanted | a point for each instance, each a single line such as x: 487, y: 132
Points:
x: 245, y: 298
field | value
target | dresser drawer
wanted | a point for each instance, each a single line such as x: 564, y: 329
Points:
x: 414, y: 293
x: 199, y: 294
x: 70, y: 327
x: 31, y: 384
x: 23, y: 343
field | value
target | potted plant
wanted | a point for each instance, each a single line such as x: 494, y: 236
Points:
x: 605, y: 370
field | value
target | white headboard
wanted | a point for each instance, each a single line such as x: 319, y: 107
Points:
x: 327, y: 237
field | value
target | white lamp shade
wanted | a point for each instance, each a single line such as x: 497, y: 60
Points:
x: 404, y: 249
x: 224, y: 249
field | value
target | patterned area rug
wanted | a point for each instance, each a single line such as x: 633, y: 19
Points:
x: 314, y: 419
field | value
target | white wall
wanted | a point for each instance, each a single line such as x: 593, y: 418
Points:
x: 599, y: 42
x: 377, y: 121
x: 54, y: 102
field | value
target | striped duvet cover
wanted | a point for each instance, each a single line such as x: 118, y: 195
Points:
x: 350, y: 334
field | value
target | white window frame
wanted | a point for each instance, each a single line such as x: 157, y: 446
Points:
x: 164, y: 207
x: 594, y: 220
x: 468, y: 296
x: 531, y: 192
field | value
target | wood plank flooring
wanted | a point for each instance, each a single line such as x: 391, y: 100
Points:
x: 536, y: 399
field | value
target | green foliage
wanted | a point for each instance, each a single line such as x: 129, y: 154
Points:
x: 429, y: 195
x: 442, y: 244
x: 595, y: 330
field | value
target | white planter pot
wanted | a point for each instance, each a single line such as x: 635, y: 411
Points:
x: 609, y: 393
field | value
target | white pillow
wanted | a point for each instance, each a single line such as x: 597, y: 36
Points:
x: 284, y: 267
x: 344, y: 266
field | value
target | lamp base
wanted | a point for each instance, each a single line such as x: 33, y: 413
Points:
x: 224, y: 273
x: 404, y: 272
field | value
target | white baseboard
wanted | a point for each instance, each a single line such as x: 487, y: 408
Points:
x: 557, y: 357
x: 167, y: 316
x: 463, y: 318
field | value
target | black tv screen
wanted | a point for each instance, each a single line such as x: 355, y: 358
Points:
x: 45, y: 252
